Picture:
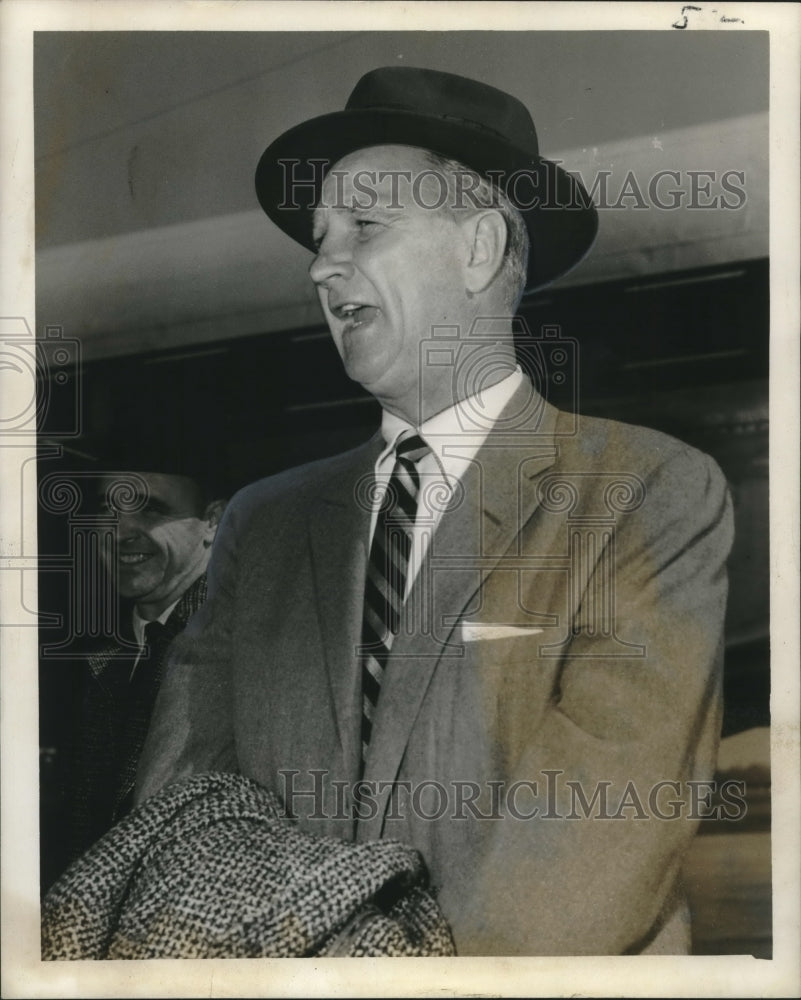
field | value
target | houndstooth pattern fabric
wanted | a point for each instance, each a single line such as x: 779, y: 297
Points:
x: 212, y: 868
x: 114, y: 722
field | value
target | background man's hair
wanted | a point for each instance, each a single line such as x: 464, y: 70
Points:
x: 467, y: 187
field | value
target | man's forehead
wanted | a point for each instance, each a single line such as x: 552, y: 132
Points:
x: 374, y: 174
x: 386, y: 156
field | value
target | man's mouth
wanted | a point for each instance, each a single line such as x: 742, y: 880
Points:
x: 133, y: 558
x: 354, y: 314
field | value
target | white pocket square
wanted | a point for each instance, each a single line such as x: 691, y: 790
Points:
x: 477, y: 631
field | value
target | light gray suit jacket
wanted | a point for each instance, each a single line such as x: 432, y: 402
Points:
x: 597, y: 554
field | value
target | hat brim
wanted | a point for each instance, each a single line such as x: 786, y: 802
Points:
x: 559, y: 215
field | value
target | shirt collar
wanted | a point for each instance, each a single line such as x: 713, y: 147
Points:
x: 455, y: 434
x: 139, y: 622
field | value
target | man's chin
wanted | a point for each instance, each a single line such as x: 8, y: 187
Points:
x: 365, y: 374
x: 133, y: 585
x: 371, y: 371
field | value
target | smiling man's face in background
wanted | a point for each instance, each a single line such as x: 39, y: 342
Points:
x: 163, y: 547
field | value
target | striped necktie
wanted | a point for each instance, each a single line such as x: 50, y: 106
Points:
x: 385, y: 586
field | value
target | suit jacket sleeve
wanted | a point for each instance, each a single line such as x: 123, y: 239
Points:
x: 191, y: 729
x: 562, y: 885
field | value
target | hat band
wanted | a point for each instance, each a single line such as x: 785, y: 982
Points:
x: 469, y: 122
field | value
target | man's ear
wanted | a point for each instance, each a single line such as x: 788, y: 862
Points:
x: 212, y: 515
x: 486, y: 232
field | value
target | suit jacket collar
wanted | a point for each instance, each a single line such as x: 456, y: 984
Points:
x: 187, y: 605
x: 339, y: 524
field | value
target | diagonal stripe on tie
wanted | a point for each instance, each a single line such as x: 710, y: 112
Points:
x: 384, y: 603
x: 387, y: 578
x: 374, y: 644
x: 383, y: 622
x: 375, y: 666
x: 372, y: 684
x: 402, y: 505
x: 385, y: 584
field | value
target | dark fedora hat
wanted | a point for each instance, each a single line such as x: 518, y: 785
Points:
x: 194, y: 450
x: 483, y: 128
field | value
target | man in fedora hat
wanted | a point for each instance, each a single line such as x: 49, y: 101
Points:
x: 490, y: 632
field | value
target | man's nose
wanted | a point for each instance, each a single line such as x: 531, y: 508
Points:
x: 333, y: 260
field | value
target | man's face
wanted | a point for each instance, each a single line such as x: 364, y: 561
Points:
x: 164, y: 546
x: 388, y: 269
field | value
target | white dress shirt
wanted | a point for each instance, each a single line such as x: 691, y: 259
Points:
x: 454, y: 437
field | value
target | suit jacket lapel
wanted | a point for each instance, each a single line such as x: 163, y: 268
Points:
x: 474, y: 533
x: 339, y: 525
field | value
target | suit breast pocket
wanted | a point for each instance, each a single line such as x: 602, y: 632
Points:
x: 515, y: 684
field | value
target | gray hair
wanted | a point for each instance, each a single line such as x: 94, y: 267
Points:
x: 466, y: 186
